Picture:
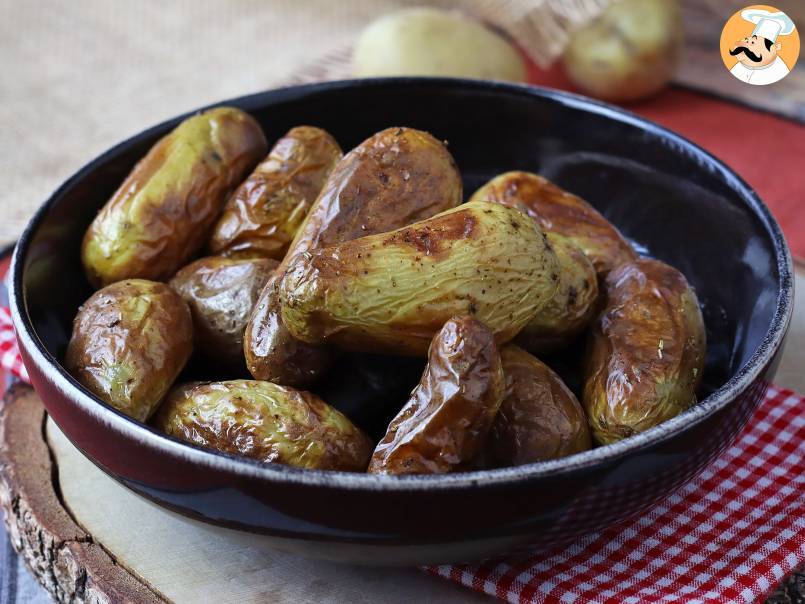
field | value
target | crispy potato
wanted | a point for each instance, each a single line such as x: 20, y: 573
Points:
x: 646, y: 351
x: 560, y: 212
x: 265, y: 212
x: 221, y: 293
x: 396, y: 177
x: 130, y: 340
x: 570, y: 309
x: 264, y: 421
x: 163, y: 212
x: 392, y: 292
x: 539, y: 418
x: 446, y: 421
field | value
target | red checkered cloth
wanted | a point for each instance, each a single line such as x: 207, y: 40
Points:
x: 10, y: 360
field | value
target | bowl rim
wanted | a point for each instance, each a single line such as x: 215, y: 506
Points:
x: 746, y: 375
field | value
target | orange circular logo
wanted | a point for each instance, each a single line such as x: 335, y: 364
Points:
x: 759, y: 45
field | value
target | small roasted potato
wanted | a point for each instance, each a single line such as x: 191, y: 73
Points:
x: 393, y: 178
x: 267, y: 209
x: 445, y: 423
x: 392, y: 292
x: 570, y: 309
x: 560, y: 212
x: 221, y: 293
x: 130, y: 340
x: 267, y: 422
x: 163, y: 212
x: 645, y: 353
x: 539, y: 419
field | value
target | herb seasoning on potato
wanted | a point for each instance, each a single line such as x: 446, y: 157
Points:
x: 646, y: 351
x: 163, y: 212
x: 446, y: 421
x: 261, y: 420
x: 130, y: 340
x: 265, y: 212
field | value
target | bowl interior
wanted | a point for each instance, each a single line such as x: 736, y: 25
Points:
x: 673, y: 201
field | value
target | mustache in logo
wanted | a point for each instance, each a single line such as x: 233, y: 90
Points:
x: 743, y: 49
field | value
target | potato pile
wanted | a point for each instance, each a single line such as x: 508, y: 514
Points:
x: 314, y: 254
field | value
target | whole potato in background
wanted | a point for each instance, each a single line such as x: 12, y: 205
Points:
x: 562, y: 213
x: 646, y: 351
x: 267, y: 209
x: 393, y: 178
x: 130, y: 340
x: 392, y: 292
x: 163, y: 212
x: 630, y: 52
x: 264, y: 421
x: 433, y: 42
x: 539, y: 418
x: 446, y: 420
x: 221, y: 293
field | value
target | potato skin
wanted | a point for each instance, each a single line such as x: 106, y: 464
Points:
x: 130, y: 340
x: 394, y: 178
x: 221, y: 293
x: 267, y: 209
x: 645, y: 352
x: 392, y: 292
x: 571, y: 308
x: 267, y: 422
x: 162, y: 213
x: 560, y: 212
x: 446, y: 421
x: 539, y: 418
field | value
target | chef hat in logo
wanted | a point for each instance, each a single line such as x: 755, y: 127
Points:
x: 768, y: 25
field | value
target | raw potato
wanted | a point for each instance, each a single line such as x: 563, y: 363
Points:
x: 394, y: 178
x: 630, y: 52
x: 221, y: 293
x: 539, y: 418
x: 163, y: 212
x: 446, y: 421
x: 130, y: 340
x: 432, y: 42
x: 392, y: 292
x: 571, y: 308
x: 560, y: 212
x: 267, y: 422
x: 265, y: 212
x: 646, y: 351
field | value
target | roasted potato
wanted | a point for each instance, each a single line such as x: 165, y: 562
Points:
x: 392, y: 292
x: 163, y: 212
x: 571, y: 308
x: 560, y: 212
x: 267, y: 209
x: 267, y: 422
x: 539, y: 419
x: 130, y: 340
x: 446, y: 421
x: 396, y: 177
x: 646, y: 351
x: 221, y: 293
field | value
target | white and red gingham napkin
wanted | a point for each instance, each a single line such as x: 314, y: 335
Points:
x: 731, y: 535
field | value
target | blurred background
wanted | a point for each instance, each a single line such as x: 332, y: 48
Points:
x: 83, y: 75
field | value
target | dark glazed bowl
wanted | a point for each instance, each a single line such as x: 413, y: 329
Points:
x: 674, y: 200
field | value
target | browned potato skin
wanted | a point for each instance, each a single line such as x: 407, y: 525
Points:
x: 221, y: 293
x: 645, y: 353
x: 267, y: 422
x: 563, y: 213
x: 267, y: 209
x: 130, y: 340
x: 446, y: 421
x: 539, y: 419
x: 163, y: 212
x: 394, y: 178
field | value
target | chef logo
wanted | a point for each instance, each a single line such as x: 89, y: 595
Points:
x: 760, y: 45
